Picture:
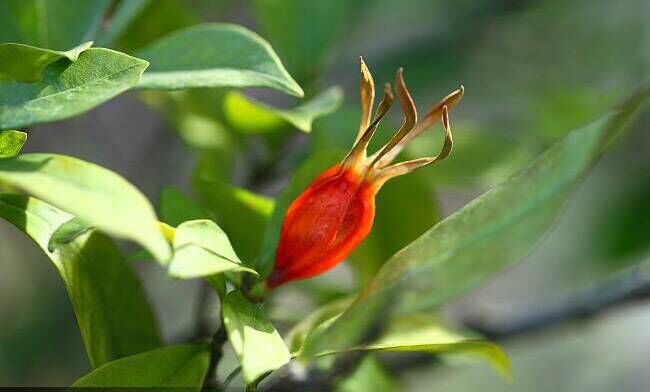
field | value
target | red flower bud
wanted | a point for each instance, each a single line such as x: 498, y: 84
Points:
x: 336, y: 211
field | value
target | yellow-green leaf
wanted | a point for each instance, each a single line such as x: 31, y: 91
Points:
x: 11, y: 142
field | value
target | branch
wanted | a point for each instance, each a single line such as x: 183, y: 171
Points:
x: 218, y: 340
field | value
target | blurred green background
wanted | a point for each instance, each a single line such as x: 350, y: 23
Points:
x: 533, y: 71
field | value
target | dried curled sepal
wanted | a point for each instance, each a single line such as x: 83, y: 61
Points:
x: 336, y: 211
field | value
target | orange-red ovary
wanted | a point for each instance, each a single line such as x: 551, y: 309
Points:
x: 323, y: 225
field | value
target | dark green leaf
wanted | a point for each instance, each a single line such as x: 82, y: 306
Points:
x: 67, y: 89
x: 52, y: 24
x: 243, y: 214
x: 257, y: 344
x: 369, y: 376
x: 11, y: 142
x: 183, y: 366
x: 24, y: 63
x: 201, y: 249
x: 405, y: 208
x: 176, y: 208
x: 96, y: 195
x: 311, y: 168
x: 253, y: 117
x: 491, y: 233
x: 303, y: 31
x: 113, y: 313
x: 126, y: 12
x: 215, y: 55
x: 67, y: 232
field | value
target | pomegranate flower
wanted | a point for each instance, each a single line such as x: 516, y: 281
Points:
x: 336, y: 211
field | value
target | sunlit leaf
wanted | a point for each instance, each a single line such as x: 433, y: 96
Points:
x: 303, y: 176
x: 113, y: 313
x: 215, y: 55
x: 243, y: 214
x: 467, y: 248
x: 51, y: 24
x: 201, y: 248
x: 298, y: 334
x: 94, y: 194
x: 257, y: 344
x: 26, y: 63
x: 254, y: 117
x: 67, y: 89
x: 11, y: 142
x: 182, y: 366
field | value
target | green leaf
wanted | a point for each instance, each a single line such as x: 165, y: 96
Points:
x: 11, y: 142
x: 257, y: 344
x: 182, y: 366
x: 421, y: 333
x: 26, y: 63
x: 406, y: 208
x: 201, y: 249
x: 176, y: 208
x: 299, y: 333
x: 94, y: 194
x: 51, y: 24
x: 369, y: 376
x: 253, y: 117
x: 243, y: 214
x: 126, y: 12
x: 303, y: 176
x: 67, y: 232
x: 489, y: 234
x: 215, y: 55
x: 303, y: 31
x: 113, y: 313
x: 67, y: 89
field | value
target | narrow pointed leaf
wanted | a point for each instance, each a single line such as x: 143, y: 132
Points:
x: 97, y: 196
x: 126, y: 12
x: 66, y: 89
x: 113, y: 314
x: 257, y: 344
x: 182, y: 366
x: 11, y: 142
x: 252, y: 117
x: 67, y: 232
x: 489, y: 234
x: 201, y: 249
x: 215, y: 55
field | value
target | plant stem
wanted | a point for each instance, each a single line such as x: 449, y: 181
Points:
x: 218, y: 340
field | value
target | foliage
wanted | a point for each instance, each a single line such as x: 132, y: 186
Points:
x: 245, y: 149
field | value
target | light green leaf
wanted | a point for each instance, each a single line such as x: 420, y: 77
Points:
x: 251, y: 117
x: 24, y: 63
x: 11, y: 142
x: 489, y: 234
x: 113, y: 313
x: 243, y: 214
x: 201, y: 249
x: 176, y: 208
x: 51, y: 24
x: 126, y: 12
x: 182, y: 366
x: 67, y: 232
x: 215, y: 55
x: 257, y: 344
x: 94, y: 194
x: 299, y: 333
x: 303, y: 176
x: 67, y: 89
